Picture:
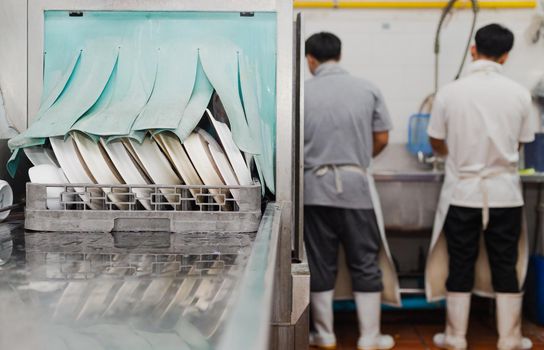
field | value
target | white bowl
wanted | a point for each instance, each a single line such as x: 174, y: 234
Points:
x: 49, y: 174
x: 6, y: 198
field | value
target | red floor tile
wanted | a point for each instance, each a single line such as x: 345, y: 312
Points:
x: 414, y: 329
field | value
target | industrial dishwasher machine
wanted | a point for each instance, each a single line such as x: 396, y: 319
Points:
x: 155, y: 266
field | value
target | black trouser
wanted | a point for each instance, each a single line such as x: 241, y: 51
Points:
x: 463, y: 227
x: 357, y: 230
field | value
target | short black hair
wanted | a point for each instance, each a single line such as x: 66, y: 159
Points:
x: 324, y: 46
x: 494, y: 40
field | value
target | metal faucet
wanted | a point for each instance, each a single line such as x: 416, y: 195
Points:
x: 429, y: 159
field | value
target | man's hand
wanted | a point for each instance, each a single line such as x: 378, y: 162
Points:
x: 380, y: 140
x: 439, y: 147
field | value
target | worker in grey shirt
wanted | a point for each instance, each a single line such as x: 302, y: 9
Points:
x: 346, y: 123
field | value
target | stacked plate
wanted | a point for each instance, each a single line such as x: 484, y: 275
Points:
x: 160, y: 159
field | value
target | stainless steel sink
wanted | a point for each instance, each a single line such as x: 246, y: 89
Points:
x: 408, y: 205
x: 408, y: 190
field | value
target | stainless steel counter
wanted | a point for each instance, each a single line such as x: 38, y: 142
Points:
x: 202, y: 291
x: 435, y: 176
x: 94, y: 290
x: 408, y: 176
x: 409, y: 197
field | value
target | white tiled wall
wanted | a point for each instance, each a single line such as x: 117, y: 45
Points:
x: 394, y: 49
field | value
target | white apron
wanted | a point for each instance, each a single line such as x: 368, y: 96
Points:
x: 436, y: 271
x: 391, y: 288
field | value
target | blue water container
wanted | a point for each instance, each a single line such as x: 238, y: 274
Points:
x: 534, y: 290
x: 418, y: 140
x: 534, y: 153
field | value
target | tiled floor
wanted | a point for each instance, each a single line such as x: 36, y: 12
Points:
x: 414, y: 329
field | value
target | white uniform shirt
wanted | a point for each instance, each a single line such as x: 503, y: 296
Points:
x: 483, y: 117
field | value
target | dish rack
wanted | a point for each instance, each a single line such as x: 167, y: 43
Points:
x: 118, y: 208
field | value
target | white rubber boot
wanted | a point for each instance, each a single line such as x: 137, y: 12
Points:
x: 509, y: 322
x: 369, y: 314
x: 457, y: 314
x: 323, y: 319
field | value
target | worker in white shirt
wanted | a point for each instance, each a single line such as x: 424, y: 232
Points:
x: 478, y: 123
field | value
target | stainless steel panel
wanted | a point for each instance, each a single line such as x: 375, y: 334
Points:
x: 13, y: 50
x: 282, y: 305
x: 301, y: 339
x: 284, y: 160
x: 258, y: 285
x: 282, y: 337
x: 298, y: 93
x: 301, y: 290
x: 284, y: 104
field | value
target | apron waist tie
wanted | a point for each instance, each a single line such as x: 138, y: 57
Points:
x: 485, y: 193
x: 324, y: 169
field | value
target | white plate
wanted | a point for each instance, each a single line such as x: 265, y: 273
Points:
x: 76, y: 172
x: 6, y: 198
x: 49, y: 174
x: 135, y: 159
x: 39, y: 155
x: 234, y: 155
x: 101, y: 168
x: 156, y: 165
x: 199, y: 152
x: 222, y: 163
x: 174, y: 150
x: 129, y: 170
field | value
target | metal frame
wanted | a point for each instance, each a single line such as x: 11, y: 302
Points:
x: 284, y: 65
x: 265, y: 248
x: 298, y: 116
x: 285, y: 152
x: 13, y: 56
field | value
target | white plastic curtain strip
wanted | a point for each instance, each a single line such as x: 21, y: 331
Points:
x: 120, y: 74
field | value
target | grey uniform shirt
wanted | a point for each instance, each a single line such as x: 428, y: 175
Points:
x: 340, y: 114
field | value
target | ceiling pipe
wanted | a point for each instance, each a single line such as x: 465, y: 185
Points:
x: 432, y: 4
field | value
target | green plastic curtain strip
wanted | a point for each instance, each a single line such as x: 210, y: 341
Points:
x: 82, y: 91
x: 124, y: 74
x: 63, y: 107
x: 174, y: 84
x: 200, y: 97
x: 52, y: 94
x: 263, y: 161
x: 223, y: 75
x: 125, y: 96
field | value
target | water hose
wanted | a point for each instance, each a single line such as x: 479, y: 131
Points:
x: 445, y: 12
